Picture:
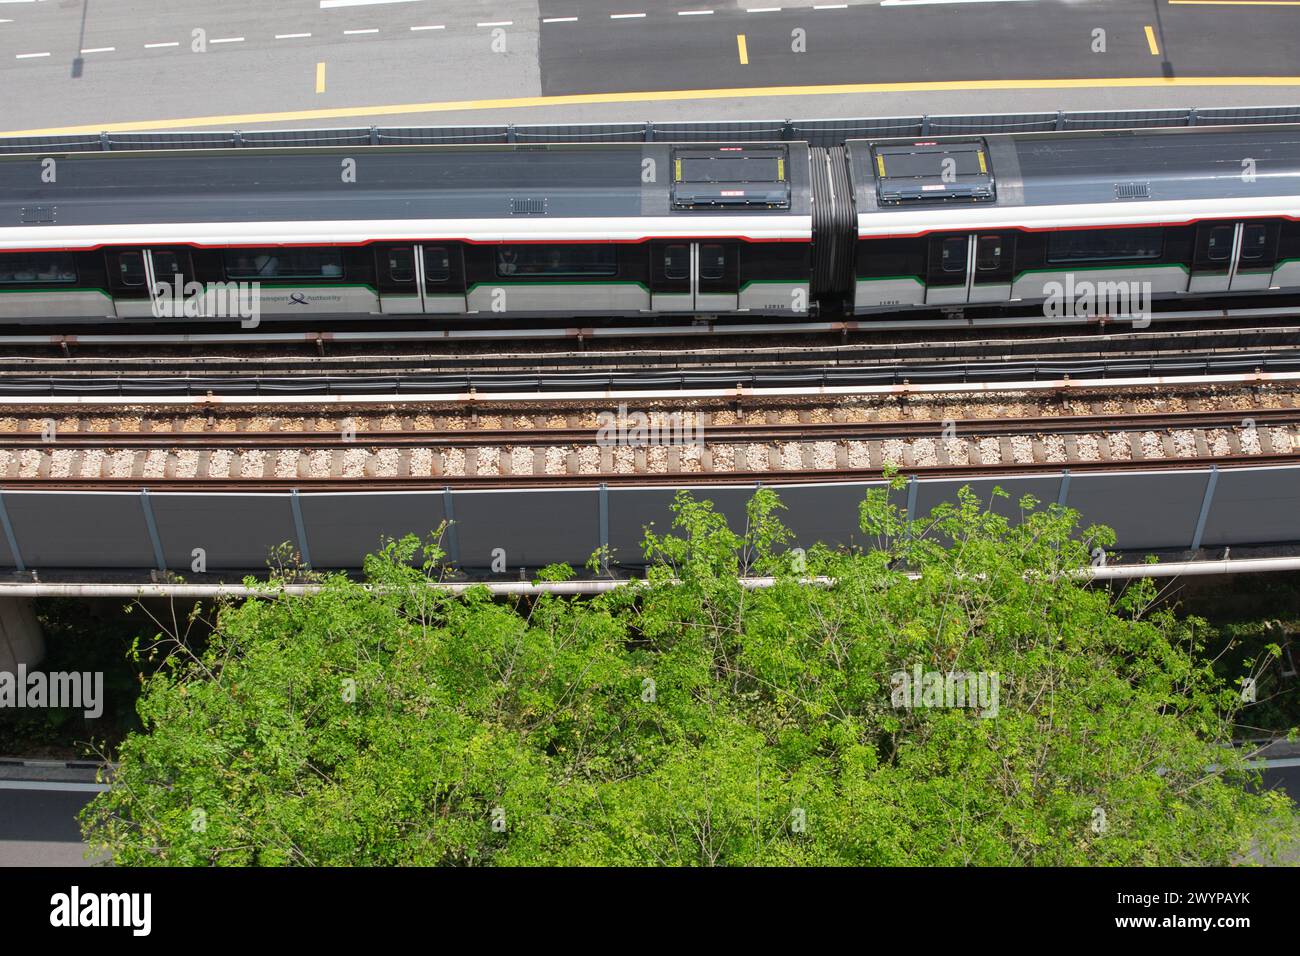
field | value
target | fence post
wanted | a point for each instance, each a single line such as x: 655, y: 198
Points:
x: 925, y: 125
x: 1206, y: 501
x: 152, y: 527
x: 1060, y: 120
x: 374, y: 136
x: 239, y: 137
x: 510, y: 133
x: 602, y: 525
x: 787, y: 130
x: 1191, y: 116
x: 104, y: 143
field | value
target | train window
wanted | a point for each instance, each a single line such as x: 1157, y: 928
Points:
x: 952, y: 255
x: 1220, y: 246
x: 677, y: 262
x: 130, y: 268
x: 557, y: 261
x: 16, y: 267
x: 1254, y: 241
x: 437, y: 264
x: 166, y: 267
x: 713, y: 261
x: 988, y: 253
x: 401, y: 264
x: 284, y: 264
x: 1098, y: 245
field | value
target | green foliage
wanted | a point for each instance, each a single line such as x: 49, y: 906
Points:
x: 688, y: 720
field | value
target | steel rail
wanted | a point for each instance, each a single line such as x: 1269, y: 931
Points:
x: 712, y: 434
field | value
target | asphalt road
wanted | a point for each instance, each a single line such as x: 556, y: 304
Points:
x: 128, y: 64
x: 39, y: 827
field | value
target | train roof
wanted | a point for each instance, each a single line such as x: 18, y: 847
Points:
x: 1120, y: 175
x: 490, y: 192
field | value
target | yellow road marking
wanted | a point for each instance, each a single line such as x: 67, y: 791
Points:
x: 1151, y: 41
x: 1238, y: 3
x: 658, y: 96
x: 744, y: 50
x: 320, y: 77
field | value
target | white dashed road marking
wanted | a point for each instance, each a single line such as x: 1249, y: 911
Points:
x: 333, y: 4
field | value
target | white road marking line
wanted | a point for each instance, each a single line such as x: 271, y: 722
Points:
x: 228, y: 40
x: 154, y: 46
x: 763, y: 10
x: 625, y: 16
x: 291, y: 36
x: 439, y: 26
x: 559, y: 19
x: 831, y: 6
x: 28, y: 56
x: 695, y: 13
x: 332, y: 4
x: 100, y: 49
x: 496, y: 23
x: 6, y: 21
x: 354, y: 32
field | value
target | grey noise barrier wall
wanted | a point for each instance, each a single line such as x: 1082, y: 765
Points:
x: 141, y: 531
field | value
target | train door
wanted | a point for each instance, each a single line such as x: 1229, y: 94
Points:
x: 694, y: 276
x: 717, y: 276
x: 1256, y: 256
x: 149, y: 283
x: 418, y: 279
x: 442, y: 278
x: 395, y: 280
x: 1214, y: 256
x: 948, y: 270
x: 970, y: 269
x: 993, y: 262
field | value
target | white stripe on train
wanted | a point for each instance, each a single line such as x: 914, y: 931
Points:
x: 759, y: 228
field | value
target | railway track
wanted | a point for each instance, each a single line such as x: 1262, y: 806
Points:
x: 344, y: 434
x: 406, y: 446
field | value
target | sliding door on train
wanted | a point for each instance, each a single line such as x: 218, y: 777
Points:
x: 149, y: 283
x: 699, y: 277
x: 420, y: 279
x: 970, y: 269
x: 1234, y: 256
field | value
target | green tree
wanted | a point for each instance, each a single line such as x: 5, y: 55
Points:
x: 690, y: 720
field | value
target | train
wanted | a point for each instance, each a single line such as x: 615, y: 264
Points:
x: 932, y: 227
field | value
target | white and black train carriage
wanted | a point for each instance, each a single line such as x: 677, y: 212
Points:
x: 479, y: 232
x: 1000, y: 223
x: 987, y: 227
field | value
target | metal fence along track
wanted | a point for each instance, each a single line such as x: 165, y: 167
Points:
x: 816, y: 132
